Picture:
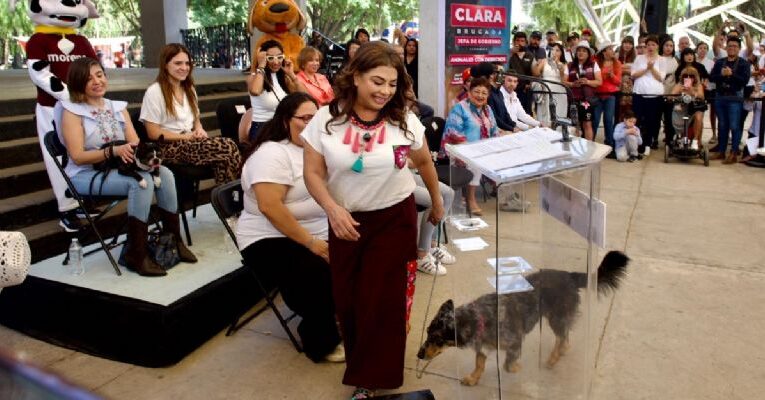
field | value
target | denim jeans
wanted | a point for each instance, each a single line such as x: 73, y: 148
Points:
x: 139, y: 199
x: 605, y: 107
x: 422, y: 198
x: 729, y: 119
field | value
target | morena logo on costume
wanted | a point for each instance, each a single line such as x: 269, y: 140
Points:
x: 64, y: 57
x: 478, y: 16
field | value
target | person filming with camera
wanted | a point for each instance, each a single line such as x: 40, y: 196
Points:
x: 730, y: 75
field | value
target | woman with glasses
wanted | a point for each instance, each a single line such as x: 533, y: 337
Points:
x: 316, y: 84
x: 170, y: 111
x: 471, y: 120
x: 272, y: 79
x: 282, y: 232
x: 355, y: 166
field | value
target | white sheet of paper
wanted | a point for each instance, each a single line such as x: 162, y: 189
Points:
x: 752, y: 143
x: 240, y: 109
x: 470, y: 244
x: 510, y: 265
x: 510, y: 284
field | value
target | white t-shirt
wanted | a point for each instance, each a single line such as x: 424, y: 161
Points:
x: 282, y: 163
x: 647, y: 84
x: 669, y: 64
x: 384, y: 181
x: 264, y: 105
x: 709, y: 64
x: 153, y: 110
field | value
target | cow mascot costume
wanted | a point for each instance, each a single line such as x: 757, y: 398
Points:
x: 50, y: 51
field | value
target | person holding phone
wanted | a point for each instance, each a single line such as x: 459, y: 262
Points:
x: 689, y: 84
x: 272, y: 79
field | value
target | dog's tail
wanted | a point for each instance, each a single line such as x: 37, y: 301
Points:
x: 610, y: 272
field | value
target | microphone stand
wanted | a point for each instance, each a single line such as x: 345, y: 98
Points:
x: 573, y: 114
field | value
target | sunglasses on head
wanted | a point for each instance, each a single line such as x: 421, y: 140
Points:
x: 280, y: 58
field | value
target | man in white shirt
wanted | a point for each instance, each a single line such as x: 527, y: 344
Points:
x: 523, y: 121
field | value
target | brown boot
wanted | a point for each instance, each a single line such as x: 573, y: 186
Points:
x: 136, y: 256
x: 171, y: 223
x: 732, y: 158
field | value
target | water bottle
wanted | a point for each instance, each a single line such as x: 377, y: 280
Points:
x: 76, y: 262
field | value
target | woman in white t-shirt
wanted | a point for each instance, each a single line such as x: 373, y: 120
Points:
x: 171, y: 115
x: 669, y: 64
x: 702, y: 50
x: 272, y: 78
x: 282, y: 231
x: 648, y: 87
x: 355, y: 167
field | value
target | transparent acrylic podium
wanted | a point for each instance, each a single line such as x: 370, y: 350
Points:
x: 493, y: 304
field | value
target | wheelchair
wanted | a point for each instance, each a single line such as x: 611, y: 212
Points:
x: 679, y: 146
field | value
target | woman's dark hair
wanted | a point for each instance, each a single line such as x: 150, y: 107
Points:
x: 481, y: 81
x: 77, y: 79
x: 627, y: 56
x: 653, y: 38
x: 361, y: 30
x: 416, y: 45
x: 168, y: 52
x: 280, y: 75
x: 278, y: 127
x: 562, y: 51
x: 348, y: 49
x: 370, y: 56
x: 684, y: 53
x: 661, y: 47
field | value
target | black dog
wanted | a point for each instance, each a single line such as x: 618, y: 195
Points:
x: 147, y: 157
x: 555, y: 297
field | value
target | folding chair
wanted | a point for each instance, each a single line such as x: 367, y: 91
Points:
x: 228, y: 201
x: 187, y: 178
x: 56, y: 149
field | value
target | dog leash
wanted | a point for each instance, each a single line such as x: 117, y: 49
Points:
x: 419, y: 372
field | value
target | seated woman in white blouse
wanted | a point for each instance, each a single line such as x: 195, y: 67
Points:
x: 170, y: 109
x: 282, y: 231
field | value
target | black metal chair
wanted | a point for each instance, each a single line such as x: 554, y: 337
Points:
x: 59, y: 154
x: 187, y: 178
x: 228, y: 201
x: 229, y: 117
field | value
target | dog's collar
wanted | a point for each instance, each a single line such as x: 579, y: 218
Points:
x: 143, y: 166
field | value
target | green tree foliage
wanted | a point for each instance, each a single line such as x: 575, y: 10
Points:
x: 338, y: 19
x: 216, y: 12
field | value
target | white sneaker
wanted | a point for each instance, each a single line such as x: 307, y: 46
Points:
x: 428, y: 265
x: 647, y: 151
x: 337, y: 355
x: 694, y: 145
x: 441, y: 253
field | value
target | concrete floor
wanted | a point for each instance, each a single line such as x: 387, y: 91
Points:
x: 687, y: 323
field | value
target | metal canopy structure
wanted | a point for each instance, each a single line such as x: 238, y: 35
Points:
x: 614, y: 19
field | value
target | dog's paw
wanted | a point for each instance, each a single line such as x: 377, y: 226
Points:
x: 157, y: 181
x: 469, y: 380
x: 142, y: 183
x: 513, y: 367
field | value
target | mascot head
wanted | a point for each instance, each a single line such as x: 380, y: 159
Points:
x: 61, y: 13
x: 276, y: 16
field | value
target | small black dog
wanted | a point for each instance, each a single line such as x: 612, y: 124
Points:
x: 555, y: 297
x: 147, y: 157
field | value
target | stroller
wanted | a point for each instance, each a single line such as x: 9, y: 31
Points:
x: 679, y: 146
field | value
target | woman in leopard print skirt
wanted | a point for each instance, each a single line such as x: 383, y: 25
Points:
x: 170, y: 110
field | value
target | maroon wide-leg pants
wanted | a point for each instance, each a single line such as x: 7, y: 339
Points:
x: 369, y: 288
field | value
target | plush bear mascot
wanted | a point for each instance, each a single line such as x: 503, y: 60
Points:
x: 50, y: 51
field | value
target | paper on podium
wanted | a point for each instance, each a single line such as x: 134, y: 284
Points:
x: 511, y: 150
